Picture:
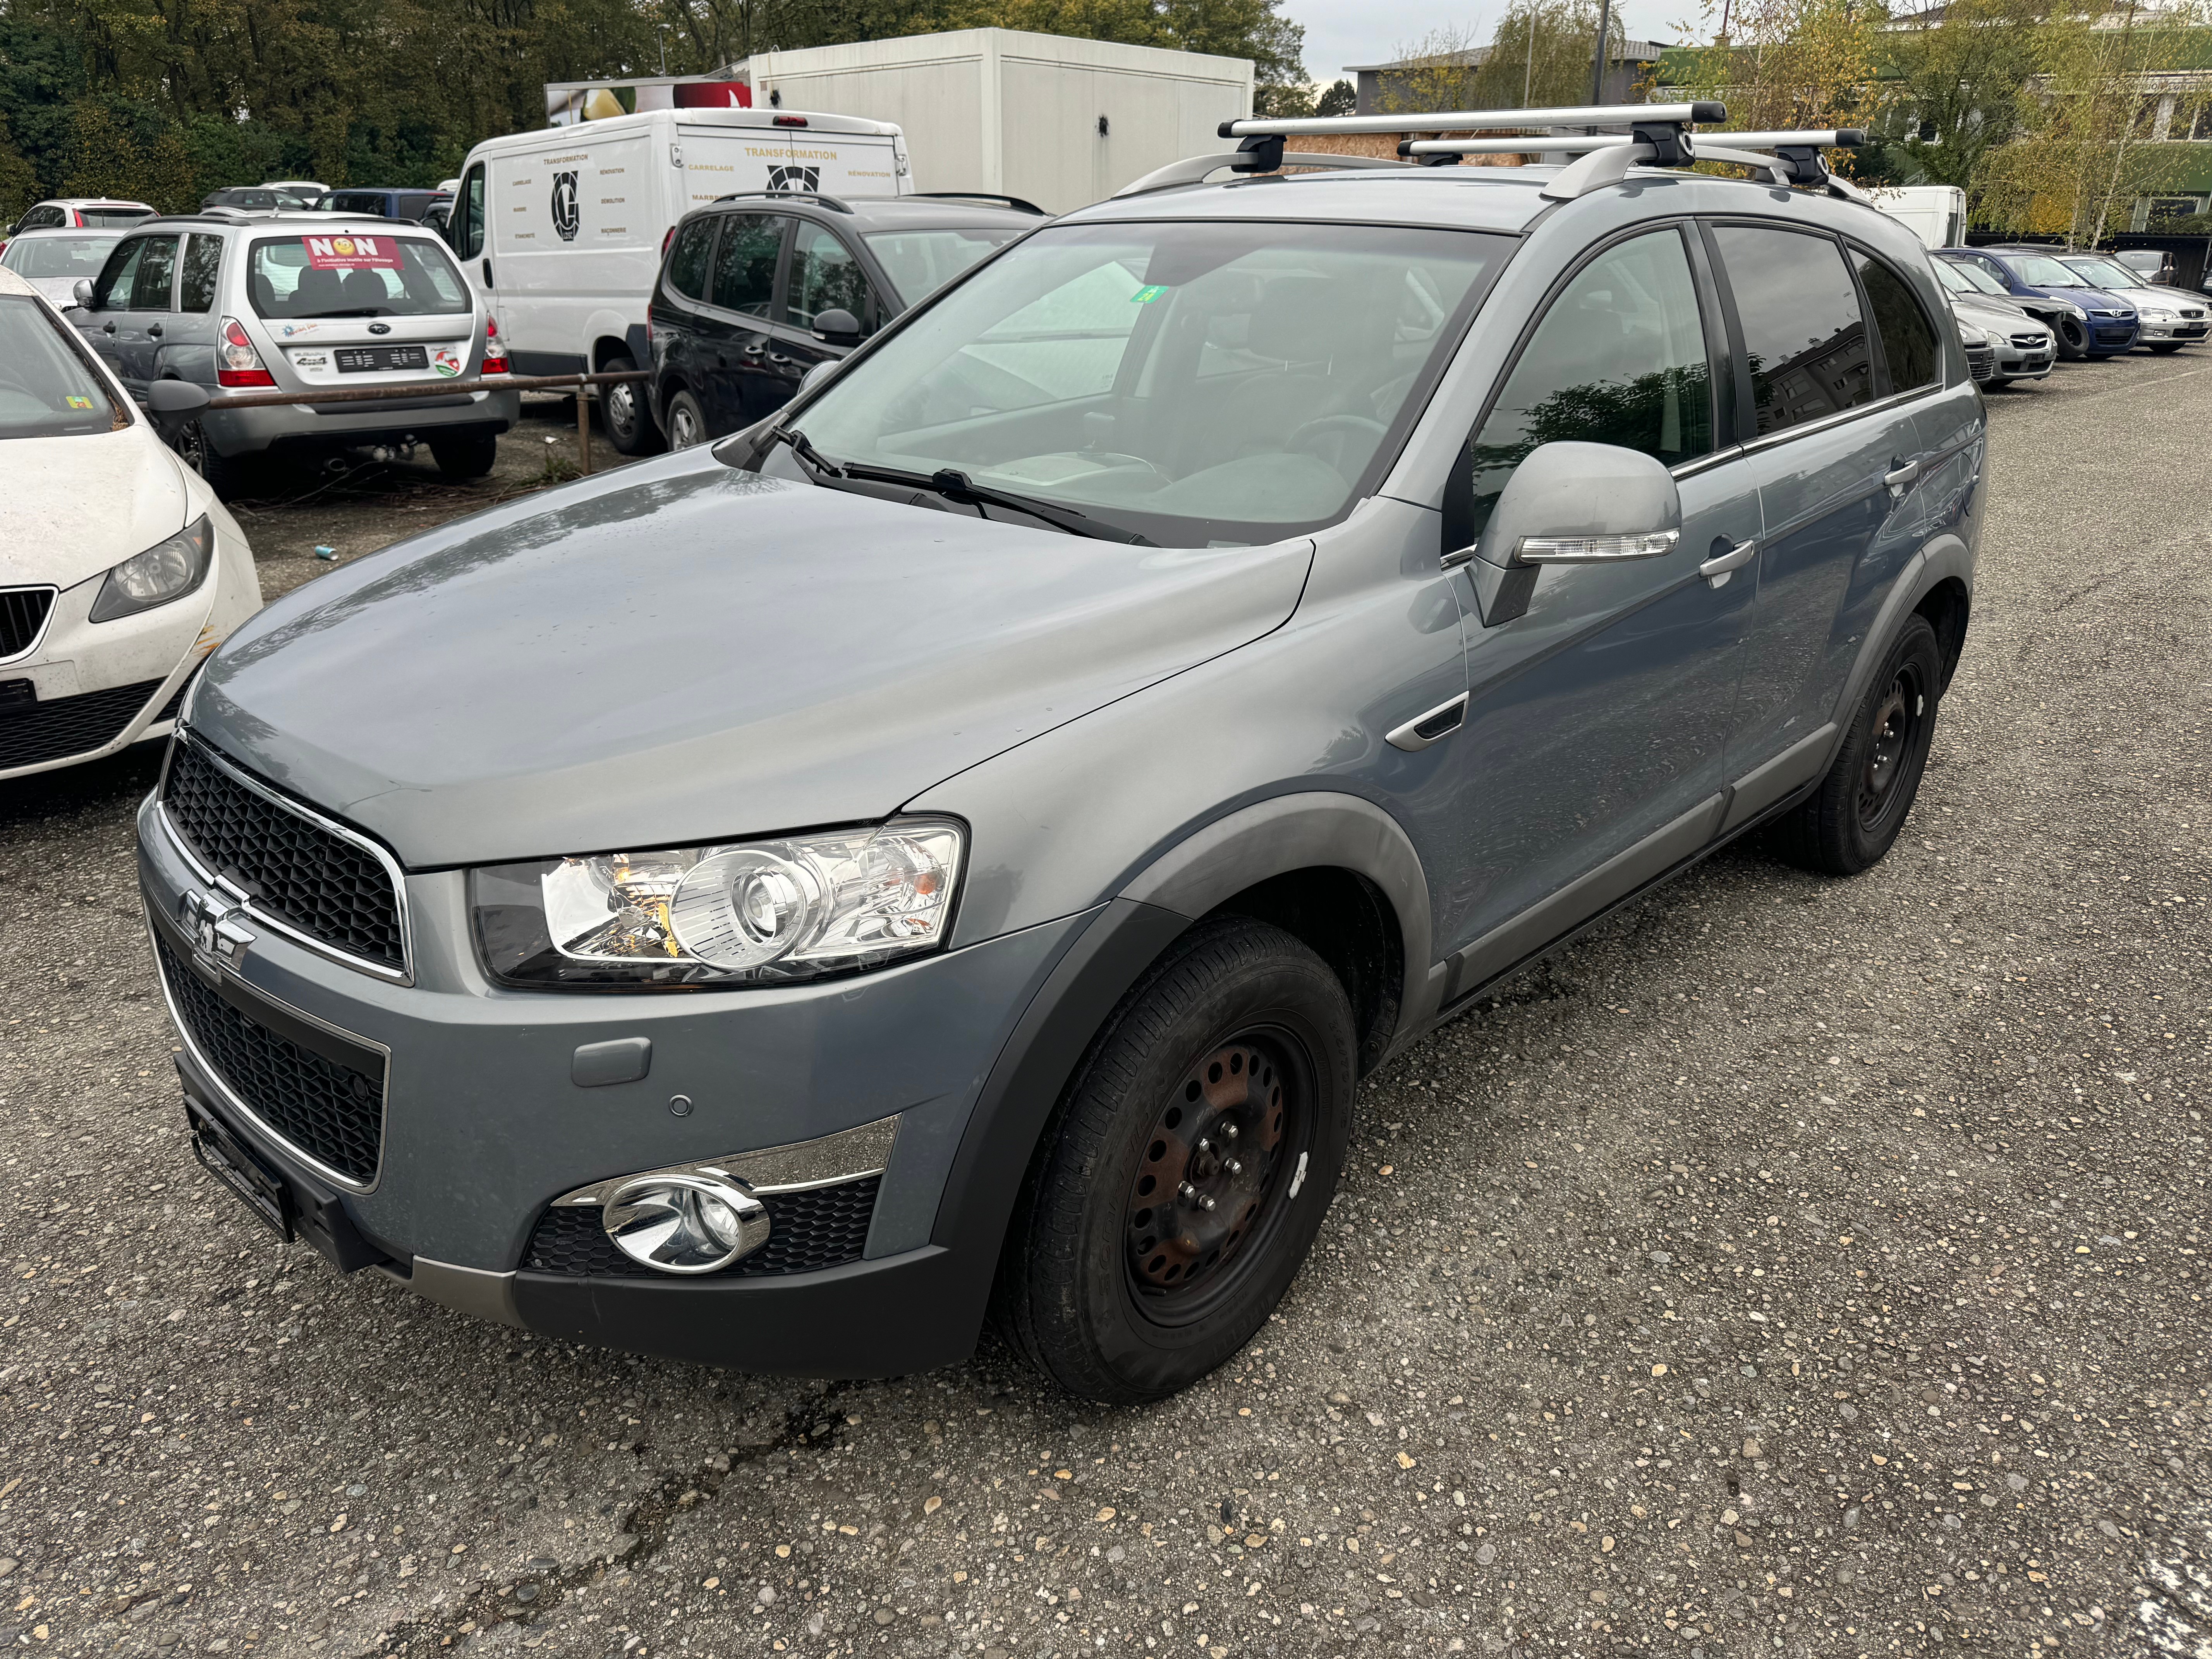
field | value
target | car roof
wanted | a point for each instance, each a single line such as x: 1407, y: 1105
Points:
x: 320, y: 224
x: 93, y: 201
x: 883, y: 212
x: 1461, y: 198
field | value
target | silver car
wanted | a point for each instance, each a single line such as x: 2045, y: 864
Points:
x: 301, y: 303
x: 1993, y: 329
x: 2171, y: 317
x: 54, y: 261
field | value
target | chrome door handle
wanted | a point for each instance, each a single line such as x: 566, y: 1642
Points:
x: 1901, y: 477
x: 1718, y: 568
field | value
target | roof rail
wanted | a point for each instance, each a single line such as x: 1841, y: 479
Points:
x: 1013, y: 201
x: 1580, y: 115
x: 1193, y: 169
x: 829, y: 201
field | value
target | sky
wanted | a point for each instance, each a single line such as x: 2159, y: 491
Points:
x: 1341, y: 32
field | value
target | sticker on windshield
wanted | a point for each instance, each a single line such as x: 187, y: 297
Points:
x: 352, y: 252
x: 1145, y: 296
x: 75, y: 401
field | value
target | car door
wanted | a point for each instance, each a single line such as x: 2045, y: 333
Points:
x: 1836, y: 455
x: 105, y: 317
x: 742, y: 385
x: 823, y: 274
x: 1591, y: 760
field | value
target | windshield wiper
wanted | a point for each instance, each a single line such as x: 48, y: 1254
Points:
x: 954, y: 486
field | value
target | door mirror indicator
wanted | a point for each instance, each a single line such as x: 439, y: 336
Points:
x: 1570, y: 503
x: 837, y: 326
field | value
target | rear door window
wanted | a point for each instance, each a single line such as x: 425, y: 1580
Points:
x: 354, y: 276
x: 156, y: 286
x: 1807, y: 343
x: 203, y: 261
x: 824, y: 276
x: 468, y: 224
x: 1908, y: 342
x: 112, y: 291
x: 745, y: 263
x: 1619, y: 359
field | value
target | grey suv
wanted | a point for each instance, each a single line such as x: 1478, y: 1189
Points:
x: 277, y: 303
x: 955, y: 852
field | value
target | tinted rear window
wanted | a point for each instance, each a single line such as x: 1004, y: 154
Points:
x: 358, y: 201
x: 1801, y: 327
x: 354, y: 276
x: 117, y: 216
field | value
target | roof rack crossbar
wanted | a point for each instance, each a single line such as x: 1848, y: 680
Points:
x: 1580, y: 115
x: 829, y: 201
x: 1194, y: 169
x: 1583, y: 144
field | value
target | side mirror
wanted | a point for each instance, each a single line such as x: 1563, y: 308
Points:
x: 837, y: 326
x: 1570, y: 503
x: 82, y: 293
x: 171, y: 401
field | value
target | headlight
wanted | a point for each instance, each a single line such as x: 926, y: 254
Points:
x: 745, y: 913
x: 167, y: 570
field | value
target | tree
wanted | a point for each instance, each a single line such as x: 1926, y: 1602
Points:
x: 1540, y: 54
x: 1342, y: 99
x: 1958, y: 76
x: 1793, y: 64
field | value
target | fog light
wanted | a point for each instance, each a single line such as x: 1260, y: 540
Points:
x: 685, y: 1224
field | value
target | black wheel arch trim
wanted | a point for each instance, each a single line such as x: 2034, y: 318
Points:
x: 1942, y: 558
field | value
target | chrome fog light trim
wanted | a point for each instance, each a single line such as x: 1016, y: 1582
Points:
x: 848, y: 1154
x: 685, y: 1224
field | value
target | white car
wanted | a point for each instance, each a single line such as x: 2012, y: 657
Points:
x: 119, y: 571
x: 82, y: 213
x: 52, y: 261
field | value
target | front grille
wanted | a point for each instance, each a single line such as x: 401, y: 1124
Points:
x: 2028, y: 342
x: 333, y: 1112
x: 820, y: 1227
x: 2191, y: 311
x: 22, y: 615
x: 293, y: 870
x: 2114, y: 336
x: 1981, y: 362
x: 57, y: 727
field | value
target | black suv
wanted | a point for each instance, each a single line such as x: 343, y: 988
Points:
x: 758, y: 288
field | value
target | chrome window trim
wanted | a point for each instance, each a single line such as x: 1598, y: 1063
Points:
x: 798, y: 1166
x: 221, y: 1085
x: 1895, y: 399
x: 403, y: 974
x: 1706, y: 462
x: 46, y: 626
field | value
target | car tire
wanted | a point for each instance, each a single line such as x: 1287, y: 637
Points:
x: 465, y: 458
x: 1227, y: 1074
x: 626, y: 412
x: 228, y: 475
x: 2073, y: 339
x: 2166, y: 347
x: 683, y: 421
x: 1855, y: 814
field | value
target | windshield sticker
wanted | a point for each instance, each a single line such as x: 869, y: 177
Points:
x: 1145, y: 296
x: 75, y: 401
x: 351, y: 253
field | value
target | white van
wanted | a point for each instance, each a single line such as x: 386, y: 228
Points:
x: 563, y: 230
x: 1936, y: 213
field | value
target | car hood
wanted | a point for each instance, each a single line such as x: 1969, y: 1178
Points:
x: 74, y: 506
x: 1988, y: 311
x: 682, y: 653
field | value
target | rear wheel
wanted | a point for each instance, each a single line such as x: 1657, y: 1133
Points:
x: 622, y: 408
x: 1856, y: 813
x: 465, y: 458
x: 228, y: 475
x: 1181, y: 1180
x: 686, y: 421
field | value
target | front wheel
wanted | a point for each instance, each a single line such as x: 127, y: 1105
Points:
x: 2073, y: 338
x: 1181, y: 1180
x: 1856, y: 813
x: 227, y: 476
x: 629, y: 423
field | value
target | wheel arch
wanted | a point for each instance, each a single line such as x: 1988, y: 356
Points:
x: 1938, y: 583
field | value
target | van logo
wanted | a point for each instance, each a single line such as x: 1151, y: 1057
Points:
x: 796, y: 178
x: 380, y: 328
x: 568, y: 209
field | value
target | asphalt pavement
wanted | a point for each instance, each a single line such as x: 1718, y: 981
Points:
x: 1793, y: 1266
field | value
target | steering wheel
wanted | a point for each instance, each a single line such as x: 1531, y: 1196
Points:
x: 1326, y: 439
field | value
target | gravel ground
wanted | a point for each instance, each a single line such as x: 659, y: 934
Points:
x: 1793, y: 1266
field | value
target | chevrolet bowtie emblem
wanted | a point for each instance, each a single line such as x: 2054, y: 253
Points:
x: 218, y: 935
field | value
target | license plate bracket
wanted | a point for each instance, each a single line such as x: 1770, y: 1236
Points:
x: 369, y: 360
x: 264, y: 1191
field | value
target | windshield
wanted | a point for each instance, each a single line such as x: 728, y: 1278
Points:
x: 49, y: 257
x: 2040, y: 272
x: 1191, y: 383
x: 47, y: 389
x: 1967, y: 279
x: 355, y: 276
x: 923, y: 261
x: 2105, y: 274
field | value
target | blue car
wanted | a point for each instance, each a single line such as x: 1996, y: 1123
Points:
x: 2108, y: 327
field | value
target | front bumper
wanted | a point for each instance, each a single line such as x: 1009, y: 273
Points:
x: 484, y: 1123
x: 336, y: 426
x: 2018, y: 362
x: 2185, y: 329
x: 97, y: 688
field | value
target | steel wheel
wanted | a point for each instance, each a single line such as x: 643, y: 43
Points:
x: 682, y: 426
x: 1896, y: 721
x: 1215, y: 1173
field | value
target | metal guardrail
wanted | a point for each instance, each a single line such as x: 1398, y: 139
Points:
x: 390, y: 392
